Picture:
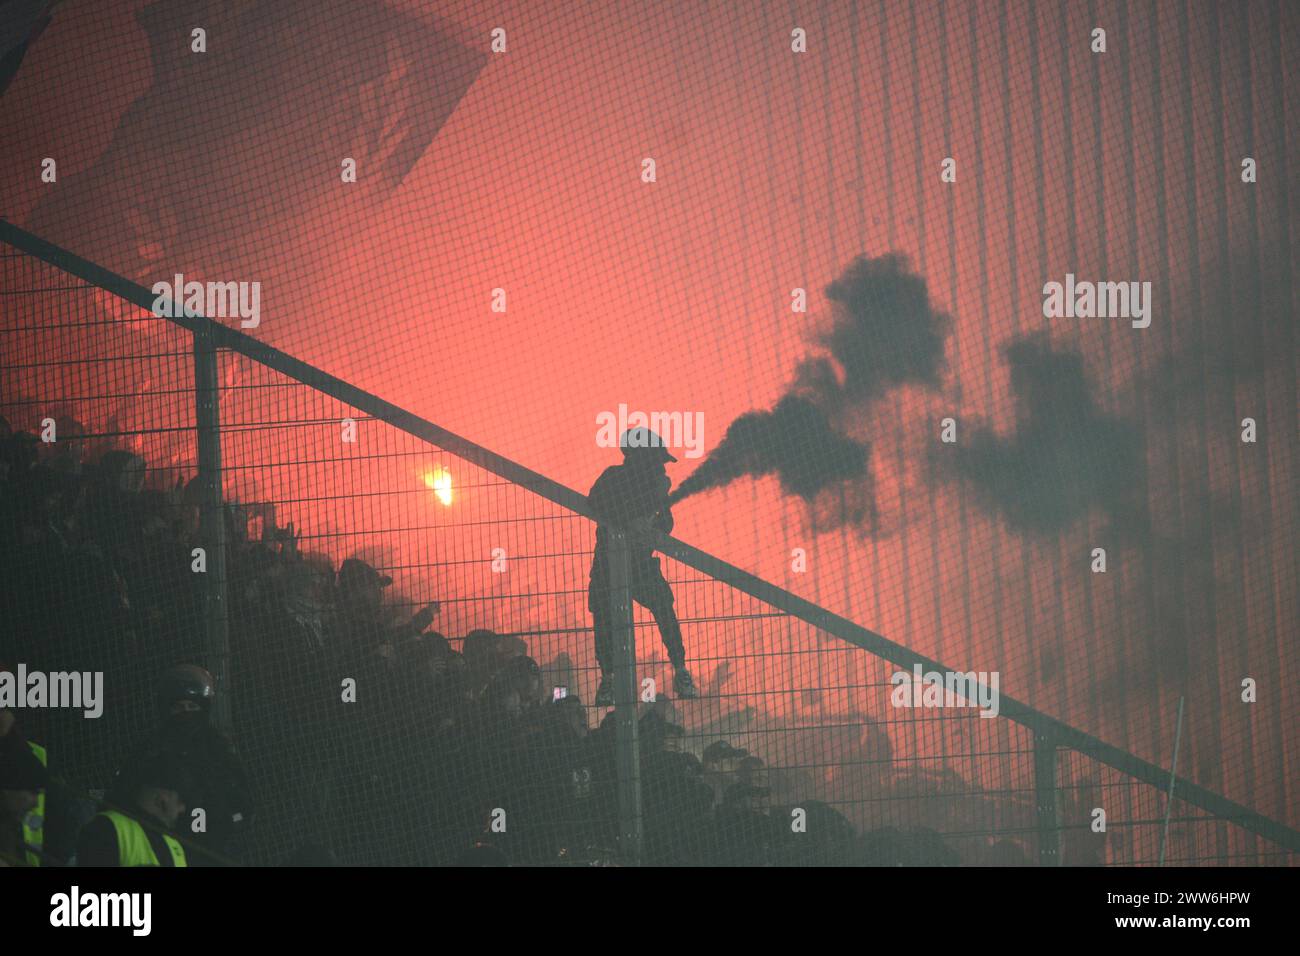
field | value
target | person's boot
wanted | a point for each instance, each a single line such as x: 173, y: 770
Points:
x: 684, y: 684
x: 605, y: 692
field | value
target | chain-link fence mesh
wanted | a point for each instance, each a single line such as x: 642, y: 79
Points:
x: 411, y: 669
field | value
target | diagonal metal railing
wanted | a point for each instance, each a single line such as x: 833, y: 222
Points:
x: 1048, y: 776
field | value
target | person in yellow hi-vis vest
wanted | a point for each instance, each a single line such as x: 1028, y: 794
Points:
x: 136, y: 833
x: 23, y: 779
x: 46, y: 832
x: 34, y: 822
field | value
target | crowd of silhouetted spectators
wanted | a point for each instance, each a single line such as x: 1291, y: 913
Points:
x: 367, y: 736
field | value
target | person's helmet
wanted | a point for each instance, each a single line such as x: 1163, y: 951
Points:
x: 186, y: 682
x: 642, y: 443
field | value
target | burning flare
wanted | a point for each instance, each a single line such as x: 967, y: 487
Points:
x: 440, y: 481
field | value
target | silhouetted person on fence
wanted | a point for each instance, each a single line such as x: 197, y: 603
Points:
x: 633, y: 497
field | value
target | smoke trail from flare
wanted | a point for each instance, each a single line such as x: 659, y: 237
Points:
x: 885, y: 334
x: 795, y: 441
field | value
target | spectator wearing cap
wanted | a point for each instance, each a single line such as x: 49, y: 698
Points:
x: 363, y: 648
x: 361, y: 589
x: 364, y: 617
x: 722, y: 764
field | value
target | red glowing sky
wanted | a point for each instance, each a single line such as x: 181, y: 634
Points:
x: 774, y: 171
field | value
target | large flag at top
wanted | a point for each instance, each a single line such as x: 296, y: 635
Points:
x: 213, y: 170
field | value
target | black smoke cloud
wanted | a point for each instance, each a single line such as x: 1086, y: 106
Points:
x: 1066, y: 457
x: 795, y: 441
x: 884, y: 334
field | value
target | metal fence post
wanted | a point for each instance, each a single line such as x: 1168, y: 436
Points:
x: 212, y: 522
x: 628, y: 754
x: 1049, y: 833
